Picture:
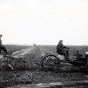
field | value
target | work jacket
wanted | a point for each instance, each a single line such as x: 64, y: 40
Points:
x: 60, y: 47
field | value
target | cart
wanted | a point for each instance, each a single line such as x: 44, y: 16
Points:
x: 52, y: 61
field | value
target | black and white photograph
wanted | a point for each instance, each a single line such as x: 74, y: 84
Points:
x: 43, y: 43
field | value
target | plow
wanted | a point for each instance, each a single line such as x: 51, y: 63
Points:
x: 8, y: 61
x: 15, y: 60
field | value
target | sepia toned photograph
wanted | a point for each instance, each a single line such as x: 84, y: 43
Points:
x: 43, y: 44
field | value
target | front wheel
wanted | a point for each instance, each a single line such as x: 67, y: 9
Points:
x: 86, y: 64
x: 84, y: 67
x: 50, y: 61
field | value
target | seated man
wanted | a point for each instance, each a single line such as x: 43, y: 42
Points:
x: 2, y: 47
x: 63, y: 50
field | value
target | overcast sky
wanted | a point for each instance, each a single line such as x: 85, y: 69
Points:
x: 44, y: 22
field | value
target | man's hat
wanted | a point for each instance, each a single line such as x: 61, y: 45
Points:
x: 0, y: 35
x: 60, y: 40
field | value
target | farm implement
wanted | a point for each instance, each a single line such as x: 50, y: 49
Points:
x: 8, y: 61
x: 52, y: 61
x: 16, y: 59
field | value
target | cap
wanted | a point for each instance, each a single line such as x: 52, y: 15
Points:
x: 0, y: 35
x: 60, y: 40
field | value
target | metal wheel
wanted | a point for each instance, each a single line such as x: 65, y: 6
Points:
x: 50, y: 61
x: 6, y: 63
x: 18, y: 63
x: 84, y: 67
x: 11, y: 63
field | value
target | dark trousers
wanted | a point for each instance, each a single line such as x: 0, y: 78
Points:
x: 65, y: 53
x: 3, y: 48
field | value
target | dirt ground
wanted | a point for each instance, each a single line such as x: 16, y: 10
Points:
x: 32, y: 73
x: 67, y: 73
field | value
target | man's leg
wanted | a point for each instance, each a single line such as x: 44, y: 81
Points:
x: 4, y: 49
x: 0, y: 50
x: 66, y: 54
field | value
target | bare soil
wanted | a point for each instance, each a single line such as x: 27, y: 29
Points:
x: 67, y: 73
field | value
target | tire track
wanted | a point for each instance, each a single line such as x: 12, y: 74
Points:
x: 23, y: 52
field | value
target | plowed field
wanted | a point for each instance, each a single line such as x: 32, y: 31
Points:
x: 32, y: 73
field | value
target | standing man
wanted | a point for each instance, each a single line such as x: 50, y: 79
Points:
x: 63, y: 50
x: 2, y: 47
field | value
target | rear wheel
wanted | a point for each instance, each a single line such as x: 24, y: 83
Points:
x: 6, y: 63
x: 50, y: 62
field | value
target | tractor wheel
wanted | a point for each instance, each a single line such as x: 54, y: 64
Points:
x: 49, y: 62
x: 10, y: 64
x: 6, y: 64
x: 85, y: 66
